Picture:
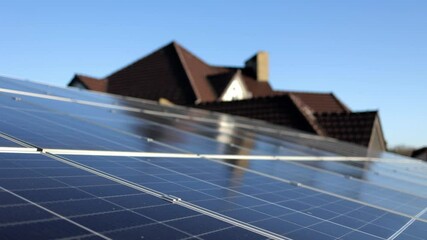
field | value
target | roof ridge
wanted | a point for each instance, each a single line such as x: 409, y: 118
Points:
x: 87, y: 76
x: 308, y: 114
x: 178, y: 50
x: 303, y: 92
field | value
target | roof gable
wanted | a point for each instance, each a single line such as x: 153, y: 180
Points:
x: 353, y: 127
x: 419, y: 152
x: 90, y: 83
x: 203, y: 75
x: 220, y: 82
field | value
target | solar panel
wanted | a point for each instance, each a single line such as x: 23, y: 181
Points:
x: 228, y: 191
x: 40, y: 191
x: 78, y: 164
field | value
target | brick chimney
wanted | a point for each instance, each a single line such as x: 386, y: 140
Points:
x: 259, y: 66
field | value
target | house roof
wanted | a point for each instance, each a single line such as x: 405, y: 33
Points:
x: 319, y: 102
x: 91, y: 83
x: 220, y: 82
x: 419, y: 152
x: 296, y: 110
x: 188, y: 78
x: 277, y: 109
x: 353, y: 127
x: 160, y: 74
x: 258, y: 89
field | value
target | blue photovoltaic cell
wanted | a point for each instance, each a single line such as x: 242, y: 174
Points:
x: 72, y: 128
x: 416, y: 231
x: 6, y: 143
x: 28, y: 86
x: 372, y: 194
x: 52, y: 130
x: 263, y: 202
x: 104, y: 206
x: 372, y: 172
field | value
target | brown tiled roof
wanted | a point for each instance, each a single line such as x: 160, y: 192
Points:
x: 288, y: 110
x: 161, y: 74
x: 418, y: 152
x: 220, y: 82
x: 258, y: 89
x: 355, y: 127
x: 278, y: 109
x: 91, y: 83
x: 319, y: 102
x: 172, y: 72
x: 201, y: 75
x: 198, y: 72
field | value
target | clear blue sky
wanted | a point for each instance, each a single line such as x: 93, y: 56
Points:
x: 371, y: 53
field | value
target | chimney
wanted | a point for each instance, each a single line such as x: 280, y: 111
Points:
x: 259, y: 66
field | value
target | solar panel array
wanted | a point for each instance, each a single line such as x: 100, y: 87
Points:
x: 78, y: 164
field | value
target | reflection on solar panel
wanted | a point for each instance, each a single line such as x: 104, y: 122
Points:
x: 78, y: 164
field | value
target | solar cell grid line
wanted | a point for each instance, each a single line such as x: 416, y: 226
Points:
x: 222, y: 218
x: 397, y: 182
x: 188, y: 140
x: 318, y: 142
x: 418, y: 190
x: 8, y: 83
x: 415, y: 231
x: 407, y: 225
x: 367, y: 173
x: 358, y: 167
x: 402, y: 170
x: 7, y: 142
x: 393, y: 204
x: 410, y: 186
x: 153, y: 212
x: 59, y: 131
x: 185, y: 143
x: 144, y: 182
x: 235, y: 130
x: 375, y: 168
x: 87, y: 96
x: 199, y: 141
x: 198, y: 132
x: 64, y: 227
x: 414, y: 201
x: 388, y: 197
x: 19, y: 94
x: 420, y: 202
x: 25, y: 86
x: 380, y: 200
x: 238, y: 135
